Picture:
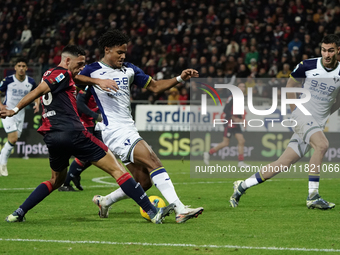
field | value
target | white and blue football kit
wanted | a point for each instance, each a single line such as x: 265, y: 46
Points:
x: 118, y: 128
x: 15, y: 90
x: 323, y: 85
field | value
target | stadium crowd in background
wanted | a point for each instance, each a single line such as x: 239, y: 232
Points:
x: 231, y: 39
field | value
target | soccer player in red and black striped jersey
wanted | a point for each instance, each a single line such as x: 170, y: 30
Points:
x: 65, y: 135
x: 229, y: 130
x: 89, y: 113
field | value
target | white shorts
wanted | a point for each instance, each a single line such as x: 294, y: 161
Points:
x: 298, y: 145
x: 306, y: 126
x: 14, y: 123
x: 122, y: 142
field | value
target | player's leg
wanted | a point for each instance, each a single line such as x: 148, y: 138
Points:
x: 13, y: 127
x: 145, y: 156
x: 76, y: 168
x: 12, y: 138
x: 40, y: 193
x: 139, y: 173
x: 240, y: 147
x: 289, y: 156
x: 131, y: 188
x: 222, y: 144
x: 320, y: 144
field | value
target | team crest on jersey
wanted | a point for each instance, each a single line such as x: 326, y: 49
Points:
x: 336, y: 79
x: 60, y: 77
x: 127, y: 142
x: 123, y: 69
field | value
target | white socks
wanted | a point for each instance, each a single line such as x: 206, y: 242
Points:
x: 5, y: 153
x: 313, y: 189
x: 251, y: 181
x: 115, y: 196
x: 162, y: 182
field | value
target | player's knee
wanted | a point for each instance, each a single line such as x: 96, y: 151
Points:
x: 155, y: 159
x: 322, y: 147
x: 241, y: 141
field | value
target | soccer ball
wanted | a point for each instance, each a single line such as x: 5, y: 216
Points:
x: 156, y: 201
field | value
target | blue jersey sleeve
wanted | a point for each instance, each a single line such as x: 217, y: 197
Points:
x: 88, y: 69
x: 4, y: 83
x: 141, y: 79
x: 300, y: 70
x: 32, y: 81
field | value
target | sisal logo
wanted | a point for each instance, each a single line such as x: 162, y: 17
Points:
x: 239, y: 102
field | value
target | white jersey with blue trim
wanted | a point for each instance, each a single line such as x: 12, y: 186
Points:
x: 323, y: 85
x: 15, y: 90
x: 115, y: 106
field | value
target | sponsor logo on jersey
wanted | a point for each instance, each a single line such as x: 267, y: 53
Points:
x: 315, y: 74
x: 102, y: 73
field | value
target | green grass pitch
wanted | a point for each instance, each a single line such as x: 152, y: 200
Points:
x: 272, y: 218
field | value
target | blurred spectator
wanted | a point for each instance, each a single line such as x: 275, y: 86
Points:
x: 26, y: 37
x: 184, y: 97
x: 285, y: 72
x: 173, y: 96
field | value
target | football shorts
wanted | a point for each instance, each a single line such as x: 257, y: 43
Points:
x: 122, y: 142
x: 14, y: 123
x: 306, y: 126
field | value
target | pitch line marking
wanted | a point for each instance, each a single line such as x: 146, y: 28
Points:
x: 111, y: 184
x: 173, y: 245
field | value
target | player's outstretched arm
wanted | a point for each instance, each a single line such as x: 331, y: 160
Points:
x: 161, y: 85
x: 36, y: 105
x: 42, y: 89
x: 105, y: 84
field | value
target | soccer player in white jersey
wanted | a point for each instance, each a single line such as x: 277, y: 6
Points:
x: 118, y: 128
x: 15, y: 86
x: 321, y: 77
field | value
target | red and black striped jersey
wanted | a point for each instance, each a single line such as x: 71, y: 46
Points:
x: 59, y: 105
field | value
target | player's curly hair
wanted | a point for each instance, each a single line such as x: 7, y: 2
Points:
x: 111, y: 38
x: 331, y: 38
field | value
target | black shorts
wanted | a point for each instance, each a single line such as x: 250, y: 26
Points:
x: 81, y: 144
x: 229, y: 131
x: 97, y: 134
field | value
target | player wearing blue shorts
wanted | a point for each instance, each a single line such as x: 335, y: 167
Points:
x: 321, y: 77
x: 65, y: 136
x: 118, y: 128
x: 15, y: 86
